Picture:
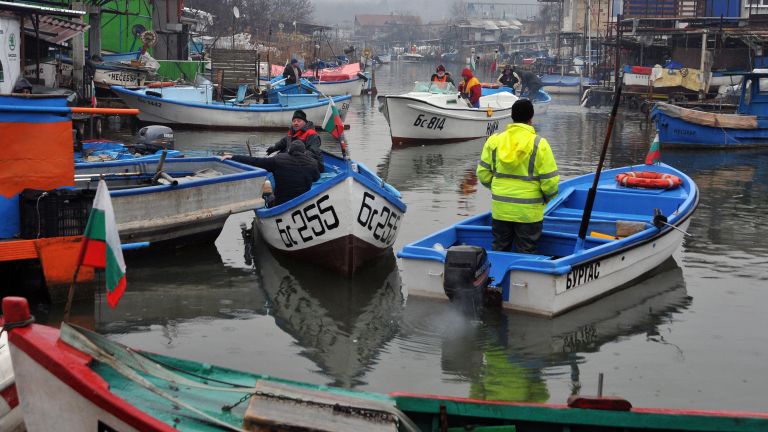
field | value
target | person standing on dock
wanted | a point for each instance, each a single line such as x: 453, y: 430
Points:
x: 292, y: 72
x: 304, y: 131
x: 520, y: 170
x: 470, y: 88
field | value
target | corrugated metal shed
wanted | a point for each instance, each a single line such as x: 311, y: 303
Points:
x: 53, y: 29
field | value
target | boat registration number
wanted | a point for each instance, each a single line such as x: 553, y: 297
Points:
x: 429, y: 122
x: 307, y: 223
x: 582, y: 274
x: 123, y: 77
x: 378, y: 218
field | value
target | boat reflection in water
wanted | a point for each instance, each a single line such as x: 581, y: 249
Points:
x: 341, y: 323
x: 510, y: 356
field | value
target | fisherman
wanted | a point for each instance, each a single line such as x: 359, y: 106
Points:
x: 470, y: 87
x: 530, y: 84
x: 508, y: 77
x: 22, y: 86
x: 292, y: 72
x: 441, y: 77
x: 520, y: 170
x: 304, y: 131
x: 294, y: 171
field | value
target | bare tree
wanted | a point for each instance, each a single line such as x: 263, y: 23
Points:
x: 459, y: 10
x: 548, y: 16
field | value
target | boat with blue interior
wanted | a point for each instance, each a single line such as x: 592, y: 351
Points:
x: 194, y: 105
x: 347, y: 218
x: 748, y: 127
x: 631, y: 231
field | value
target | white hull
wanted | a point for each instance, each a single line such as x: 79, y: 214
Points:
x: 417, y: 117
x: 11, y: 419
x: 340, y: 88
x: 49, y: 404
x: 167, y: 111
x: 561, y: 89
x: 185, y: 211
x: 105, y: 78
x: 550, y: 295
x: 346, y: 212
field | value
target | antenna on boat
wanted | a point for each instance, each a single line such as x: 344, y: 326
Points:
x: 593, y: 190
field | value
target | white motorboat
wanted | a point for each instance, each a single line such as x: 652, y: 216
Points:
x: 432, y: 114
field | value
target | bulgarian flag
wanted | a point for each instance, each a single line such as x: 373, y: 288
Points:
x: 654, y: 153
x: 332, y: 122
x: 101, y: 244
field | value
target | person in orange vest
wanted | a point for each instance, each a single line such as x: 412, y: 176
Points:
x: 470, y: 87
x: 304, y: 131
x: 440, y: 77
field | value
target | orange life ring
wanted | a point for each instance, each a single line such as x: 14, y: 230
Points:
x: 649, y: 179
x: 157, y: 84
x: 489, y: 85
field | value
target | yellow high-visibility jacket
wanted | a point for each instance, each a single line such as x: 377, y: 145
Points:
x: 519, y: 168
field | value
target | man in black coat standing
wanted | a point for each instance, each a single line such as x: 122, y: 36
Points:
x: 292, y: 72
x: 294, y: 171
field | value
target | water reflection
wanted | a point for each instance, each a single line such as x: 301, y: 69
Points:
x: 505, y: 355
x: 340, y: 323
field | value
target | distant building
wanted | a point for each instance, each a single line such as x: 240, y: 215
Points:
x: 374, y: 27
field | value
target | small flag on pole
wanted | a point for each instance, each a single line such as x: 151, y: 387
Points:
x: 101, y: 245
x: 654, y: 153
x: 333, y: 124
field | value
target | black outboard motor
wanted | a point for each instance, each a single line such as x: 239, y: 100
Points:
x: 153, y: 138
x: 465, y: 274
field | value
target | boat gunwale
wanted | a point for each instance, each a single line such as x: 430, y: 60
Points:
x: 248, y: 172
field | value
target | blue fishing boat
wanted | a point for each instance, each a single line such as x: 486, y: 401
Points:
x: 631, y: 231
x: 194, y: 105
x: 347, y: 218
x: 685, y: 127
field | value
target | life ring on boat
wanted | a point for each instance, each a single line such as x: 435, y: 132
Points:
x: 158, y: 84
x: 649, y: 179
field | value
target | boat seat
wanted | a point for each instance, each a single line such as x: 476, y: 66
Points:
x: 567, y: 212
x: 241, y: 90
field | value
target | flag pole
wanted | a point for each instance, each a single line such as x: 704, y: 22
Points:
x: 71, y: 293
x: 593, y: 190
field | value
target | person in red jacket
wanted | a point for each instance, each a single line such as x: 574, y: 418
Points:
x: 470, y: 88
x: 304, y: 131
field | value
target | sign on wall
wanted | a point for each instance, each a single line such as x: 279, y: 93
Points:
x: 10, y: 53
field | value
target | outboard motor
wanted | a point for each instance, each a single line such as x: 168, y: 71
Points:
x: 465, y: 274
x: 153, y: 138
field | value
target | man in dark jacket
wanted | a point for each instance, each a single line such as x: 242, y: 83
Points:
x: 304, y: 131
x: 292, y: 72
x: 294, y: 171
x: 530, y: 84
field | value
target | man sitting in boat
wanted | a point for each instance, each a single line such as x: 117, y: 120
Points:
x: 292, y: 72
x: 470, y: 87
x: 304, y: 131
x: 294, y: 171
x: 520, y: 169
x: 530, y: 83
x: 441, y: 77
x: 508, y: 77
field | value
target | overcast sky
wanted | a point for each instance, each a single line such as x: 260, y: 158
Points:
x: 334, y: 11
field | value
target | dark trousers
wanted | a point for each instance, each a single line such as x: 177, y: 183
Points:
x: 523, y: 235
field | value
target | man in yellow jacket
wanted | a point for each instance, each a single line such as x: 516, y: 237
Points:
x: 520, y: 169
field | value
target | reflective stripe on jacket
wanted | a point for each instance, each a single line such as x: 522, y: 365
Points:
x: 520, y: 169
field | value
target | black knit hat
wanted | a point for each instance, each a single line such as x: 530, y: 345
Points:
x: 299, y: 114
x: 522, y: 111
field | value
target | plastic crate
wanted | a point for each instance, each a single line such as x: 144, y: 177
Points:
x: 55, y: 213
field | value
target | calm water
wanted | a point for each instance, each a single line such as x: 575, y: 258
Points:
x: 690, y: 336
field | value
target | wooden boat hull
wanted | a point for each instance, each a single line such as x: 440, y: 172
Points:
x: 72, y: 379
x: 557, y: 280
x: 339, y: 224
x: 202, y: 112
x: 195, y: 208
x: 678, y: 132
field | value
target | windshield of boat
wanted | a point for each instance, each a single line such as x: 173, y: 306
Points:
x: 434, y: 87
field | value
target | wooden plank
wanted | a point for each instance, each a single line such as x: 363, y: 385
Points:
x: 17, y: 250
x: 283, y: 407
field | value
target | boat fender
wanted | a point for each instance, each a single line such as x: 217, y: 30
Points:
x: 649, y: 180
x: 153, y: 93
x: 489, y: 112
x: 466, y: 274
